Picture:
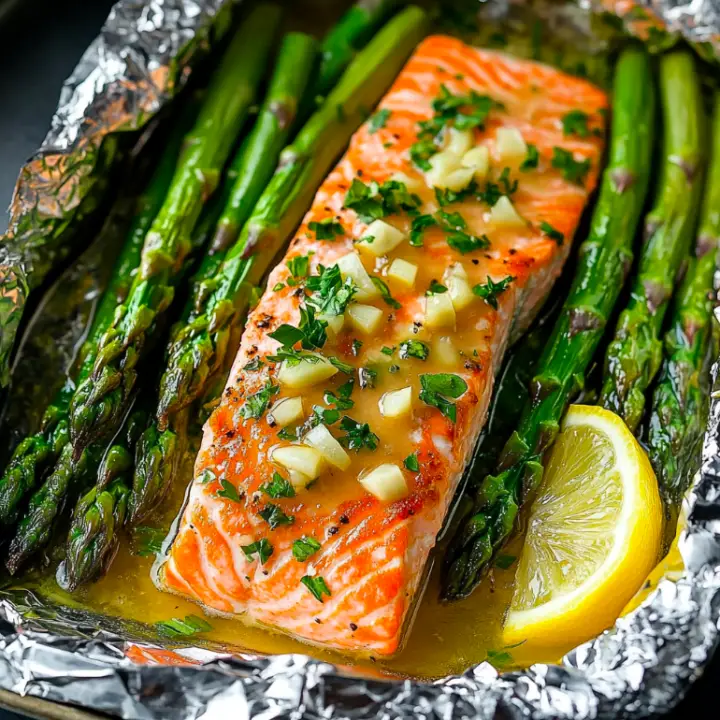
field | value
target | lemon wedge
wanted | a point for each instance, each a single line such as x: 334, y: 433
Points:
x: 593, y: 534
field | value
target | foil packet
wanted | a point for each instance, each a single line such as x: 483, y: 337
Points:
x: 640, y: 667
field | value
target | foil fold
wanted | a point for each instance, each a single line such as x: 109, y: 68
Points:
x: 642, y: 666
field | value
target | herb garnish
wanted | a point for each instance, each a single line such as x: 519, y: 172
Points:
x: 274, y: 516
x: 576, y: 123
x: 278, y: 487
x: 229, y: 491
x: 573, y: 170
x: 256, y: 404
x: 255, y: 364
x: 381, y: 285
x: 305, y: 547
x: 531, y: 159
x: 148, y: 540
x: 411, y: 463
x: 330, y: 294
x: 415, y: 349
x: 436, y: 288
x: 262, y: 548
x: 437, y: 388
x: 327, y: 229
x: 342, y: 400
x: 317, y: 586
x: 419, y: 225
x: 490, y: 290
x: 191, y: 625
x: 374, y: 201
x: 552, y: 233
x: 358, y: 435
x: 379, y: 120
x: 299, y: 268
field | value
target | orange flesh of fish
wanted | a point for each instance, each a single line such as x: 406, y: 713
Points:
x: 372, y: 554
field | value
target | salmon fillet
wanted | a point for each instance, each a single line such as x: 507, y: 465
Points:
x: 334, y: 564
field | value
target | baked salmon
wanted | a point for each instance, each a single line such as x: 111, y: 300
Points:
x: 365, y: 372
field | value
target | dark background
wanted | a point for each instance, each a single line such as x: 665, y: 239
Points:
x: 40, y: 43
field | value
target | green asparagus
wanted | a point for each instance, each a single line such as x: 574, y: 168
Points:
x: 99, y: 403
x: 38, y: 452
x: 634, y: 355
x: 681, y: 399
x: 90, y: 549
x: 604, y: 260
x: 303, y: 166
x: 346, y: 38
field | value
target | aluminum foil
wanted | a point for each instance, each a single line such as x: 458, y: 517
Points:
x: 642, y: 666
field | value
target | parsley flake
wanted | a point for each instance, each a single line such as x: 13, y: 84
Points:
x: 256, y: 404
x: 262, y: 548
x: 437, y: 388
x: 358, y: 435
x: 411, y: 463
x: 576, y: 123
x: 379, y: 120
x: 573, y: 170
x: 552, y: 233
x: 274, y: 516
x: 420, y: 223
x: 490, y: 290
x: 229, y: 491
x: 278, y: 487
x: 304, y: 548
x: 414, y: 349
x: 381, y: 285
x: 531, y: 159
x: 317, y: 586
x: 327, y: 229
x: 374, y: 201
x: 330, y: 293
x: 436, y: 288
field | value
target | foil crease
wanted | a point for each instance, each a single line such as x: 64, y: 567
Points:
x: 642, y: 666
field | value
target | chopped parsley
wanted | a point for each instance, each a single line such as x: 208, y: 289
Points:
x: 191, y: 625
x: 381, y: 285
x: 317, y: 586
x: 531, y: 159
x: 255, y: 364
x: 256, y: 404
x: 509, y: 186
x: 466, y: 243
x: 229, y: 491
x: 262, y: 548
x: 311, y: 332
x: 576, y: 123
x: 357, y: 435
x: 274, y: 516
x: 573, y: 170
x: 356, y: 346
x: 464, y: 112
x: 305, y: 547
x: 299, y: 268
x: 148, y: 540
x: 389, y: 351
x: 420, y: 223
x: 277, y: 287
x: 436, y: 288
x: 414, y: 349
x: 411, y: 463
x: 437, y: 388
x: 374, y: 201
x: 324, y: 416
x: 552, y: 233
x: 327, y: 229
x: 490, y: 290
x: 445, y: 196
x: 343, y: 367
x: 379, y: 120
x: 367, y: 378
x: 278, y: 487
x: 330, y: 293
x: 341, y: 400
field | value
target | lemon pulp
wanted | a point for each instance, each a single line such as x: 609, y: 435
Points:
x: 593, y: 535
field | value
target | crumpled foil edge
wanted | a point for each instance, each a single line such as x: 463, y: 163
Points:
x: 640, y: 667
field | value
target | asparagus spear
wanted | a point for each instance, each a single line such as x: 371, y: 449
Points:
x: 680, y: 401
x: 303, y: 165
x: 38, y: 452
x: 634, y: 355
x: 350, y: 34
x: 101, y: 400
x: 90, y: 549
x: 604, y: 260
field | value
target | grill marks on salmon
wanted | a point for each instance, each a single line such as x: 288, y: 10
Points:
x: 372, y: 555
